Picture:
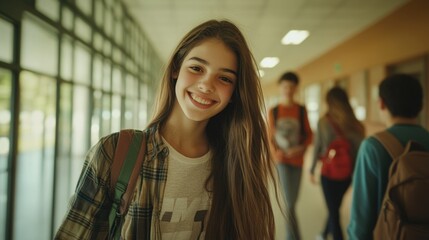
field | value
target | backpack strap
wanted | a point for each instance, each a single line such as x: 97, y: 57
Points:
x: 390, y: 143
x: 275, y: 114
x: 129, y: 153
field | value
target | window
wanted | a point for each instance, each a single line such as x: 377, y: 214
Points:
x: 39, y: 40
x: 6, y: 40
x: 35, y: 161
x: 5, y: 120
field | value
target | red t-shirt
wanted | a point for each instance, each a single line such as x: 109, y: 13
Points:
x: 286, y: 131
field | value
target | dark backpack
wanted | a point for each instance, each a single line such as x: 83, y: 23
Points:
x: 404, y: 213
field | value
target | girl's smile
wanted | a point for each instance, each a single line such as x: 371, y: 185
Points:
x: 201, y: 101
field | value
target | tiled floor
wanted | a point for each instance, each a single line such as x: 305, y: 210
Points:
x: 311, y: 209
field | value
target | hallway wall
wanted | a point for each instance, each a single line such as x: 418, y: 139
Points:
x: 400, y: 37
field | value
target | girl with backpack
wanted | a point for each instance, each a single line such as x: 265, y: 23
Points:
x: 206, y: 170
x: 338, y: 137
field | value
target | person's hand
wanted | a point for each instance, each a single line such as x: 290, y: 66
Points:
x: 295, y: 151
x: 279, y: 155
x: 313, y: 178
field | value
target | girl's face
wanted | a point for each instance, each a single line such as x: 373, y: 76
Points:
x: 206, y: 80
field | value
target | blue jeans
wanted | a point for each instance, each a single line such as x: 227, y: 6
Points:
x: 290, y: 179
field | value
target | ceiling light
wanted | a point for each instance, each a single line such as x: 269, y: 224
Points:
x: 269, y: 62
x: 295, y: 37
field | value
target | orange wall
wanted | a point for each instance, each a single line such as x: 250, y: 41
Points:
x: 402, y: 35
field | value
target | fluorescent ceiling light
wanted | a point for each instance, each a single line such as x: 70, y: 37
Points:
x: 295, y: 37
x: 269, y: 62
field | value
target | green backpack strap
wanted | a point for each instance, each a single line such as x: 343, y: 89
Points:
x: 128, y: 158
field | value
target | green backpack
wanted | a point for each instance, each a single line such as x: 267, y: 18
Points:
x: 127, y: 162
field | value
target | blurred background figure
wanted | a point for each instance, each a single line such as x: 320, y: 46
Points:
x: 400, y: 101
x: 339, y: 126
x: 290, y: 135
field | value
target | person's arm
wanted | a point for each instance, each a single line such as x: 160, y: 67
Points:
x: 308, y: 132
x: 364, y: 210
x: 277, y: 153
x: 317, y: 151
x: 88, y: 213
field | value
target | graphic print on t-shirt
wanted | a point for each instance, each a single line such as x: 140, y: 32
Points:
x: 287, y: 133
x: 182, y: 218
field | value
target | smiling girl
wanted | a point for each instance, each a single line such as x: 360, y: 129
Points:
x: 207, y: 167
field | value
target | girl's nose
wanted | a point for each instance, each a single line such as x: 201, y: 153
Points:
x: 206, y: 84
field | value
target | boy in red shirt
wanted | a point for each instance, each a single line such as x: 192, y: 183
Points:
x: 290, y: 134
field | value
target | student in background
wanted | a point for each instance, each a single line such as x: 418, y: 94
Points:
x: 401, y: 100
x: 339, y: 121
x: 290, y: 134
x: 207, y: 167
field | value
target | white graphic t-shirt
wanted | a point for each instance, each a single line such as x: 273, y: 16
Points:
x: 186, y: 202
x: 287, y: 133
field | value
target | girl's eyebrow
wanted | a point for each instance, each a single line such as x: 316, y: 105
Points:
x: 207, y: 63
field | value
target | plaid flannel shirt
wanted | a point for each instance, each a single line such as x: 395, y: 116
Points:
x: 87, y: 217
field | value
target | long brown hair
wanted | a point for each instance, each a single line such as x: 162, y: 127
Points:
x: 241, y: 163
x: 341, y: 112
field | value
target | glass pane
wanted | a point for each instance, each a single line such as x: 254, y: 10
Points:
x: 118, y: 32
x: 129, y: 113
x: 67, y: 19
x: 142, y: 114
x: 116, y: 113
x: 117, y: 80
x: 143, y: 91
x: 35, y: 160
x: 39, y: 39
x: 106, y: 75
x: 66, y: 58
x: 97, y: 77
x: 109, y: 2
x: 108, y: 22
x: 99, y: 10
x: 96, y: 117
x: 117, y: 8
x: 117, y: 55
x: 6, y: 41
x: 98, y: 42
x: 105, y: 115
x: 82, y: 64
x: 83, y: 30
x: 80, y: 131
x: 64, y: 188
x: 49, y: 8
x: 107, y: 48
x: 5, y: 117
x: 131, y: 88
x: 85, y: 6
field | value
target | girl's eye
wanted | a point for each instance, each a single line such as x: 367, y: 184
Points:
x: 226, y: 79
x: 195, y: 68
